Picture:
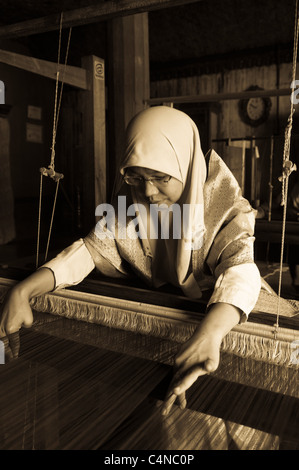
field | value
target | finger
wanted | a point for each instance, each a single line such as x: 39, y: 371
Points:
x: 168, y: 404
x: 15, y: 327
x: 12, y: 328
x: 210, y: 365
x: 182, y: 400
x: 14, y: 343
x: 28, y: 321
x: 2, y: 332
x: 185, y: 380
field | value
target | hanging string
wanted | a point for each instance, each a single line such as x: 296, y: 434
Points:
x: 50, y: 171
x: 52, y: 218
x: 55, y: 101
x: 270, y: 179
x: 39, y: 218
x: 58, y: 106
x: 288, y: 166
x: 57, y: 176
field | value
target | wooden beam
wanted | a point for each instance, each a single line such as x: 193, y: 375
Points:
x: 218, y: 96
x: 129, y: 69
x: 87, y: 15
x: 94, y: 182
x: 74, y: 76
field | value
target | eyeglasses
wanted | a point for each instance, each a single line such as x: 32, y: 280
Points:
x: 139, y: 180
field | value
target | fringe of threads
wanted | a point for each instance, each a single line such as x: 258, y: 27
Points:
x: 256, y: 346
x: 258, y: 342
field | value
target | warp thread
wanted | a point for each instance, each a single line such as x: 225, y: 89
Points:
x: 246, y: 340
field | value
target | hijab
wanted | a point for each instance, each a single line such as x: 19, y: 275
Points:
x: 167, y: 140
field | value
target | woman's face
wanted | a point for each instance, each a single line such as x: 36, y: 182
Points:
x: 155, y: 193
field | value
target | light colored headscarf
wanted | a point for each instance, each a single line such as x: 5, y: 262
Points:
x: 166, y: 140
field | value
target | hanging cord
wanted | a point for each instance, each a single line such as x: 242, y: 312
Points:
x: 57, y: 108
x: 52, y: 218
x: 288, y: 166
x: 50, y: 171
x: 39, y: 218
x: 270, y: 180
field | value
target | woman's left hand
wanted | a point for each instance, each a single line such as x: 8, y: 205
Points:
x: 199, y: 356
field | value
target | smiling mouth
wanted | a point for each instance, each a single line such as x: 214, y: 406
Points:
x: 159, y: 201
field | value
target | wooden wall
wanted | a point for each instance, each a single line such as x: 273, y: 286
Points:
x: 227, y: 123
x: 27, y: 153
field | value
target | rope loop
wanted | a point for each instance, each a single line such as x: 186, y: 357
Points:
x: 288, y: 168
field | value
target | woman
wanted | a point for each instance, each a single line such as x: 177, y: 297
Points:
x: 210, y: 239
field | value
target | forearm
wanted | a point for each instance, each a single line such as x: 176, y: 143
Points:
x: 219, y: 321
x: 69, y: 267
x: 38, y: 283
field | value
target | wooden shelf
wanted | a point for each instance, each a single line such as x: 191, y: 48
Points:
x: 272, y: 231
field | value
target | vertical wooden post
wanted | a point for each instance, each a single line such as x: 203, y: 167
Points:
x: 7, y: 219
x: 129, y: 85
x: 94, y: 189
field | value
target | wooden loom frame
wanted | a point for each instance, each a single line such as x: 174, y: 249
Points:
x: 85, y: 79
x: 261, y: 342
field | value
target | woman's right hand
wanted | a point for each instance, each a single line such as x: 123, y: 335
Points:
x: 15, y: 313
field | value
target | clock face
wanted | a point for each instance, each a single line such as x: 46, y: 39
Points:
x: 255, y: 108
x: 255, y: 111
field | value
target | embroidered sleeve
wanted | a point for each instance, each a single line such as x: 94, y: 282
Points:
x: 231, y: 260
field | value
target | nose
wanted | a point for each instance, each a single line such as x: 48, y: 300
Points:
x: 150, y: 189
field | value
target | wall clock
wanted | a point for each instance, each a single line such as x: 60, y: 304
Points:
x: 255, y: 111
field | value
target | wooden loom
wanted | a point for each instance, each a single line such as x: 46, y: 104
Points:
x: 94, y: 365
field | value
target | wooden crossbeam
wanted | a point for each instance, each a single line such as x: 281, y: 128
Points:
x: 74, y: 76
x: 219, y: 96
x: 87, y: 15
